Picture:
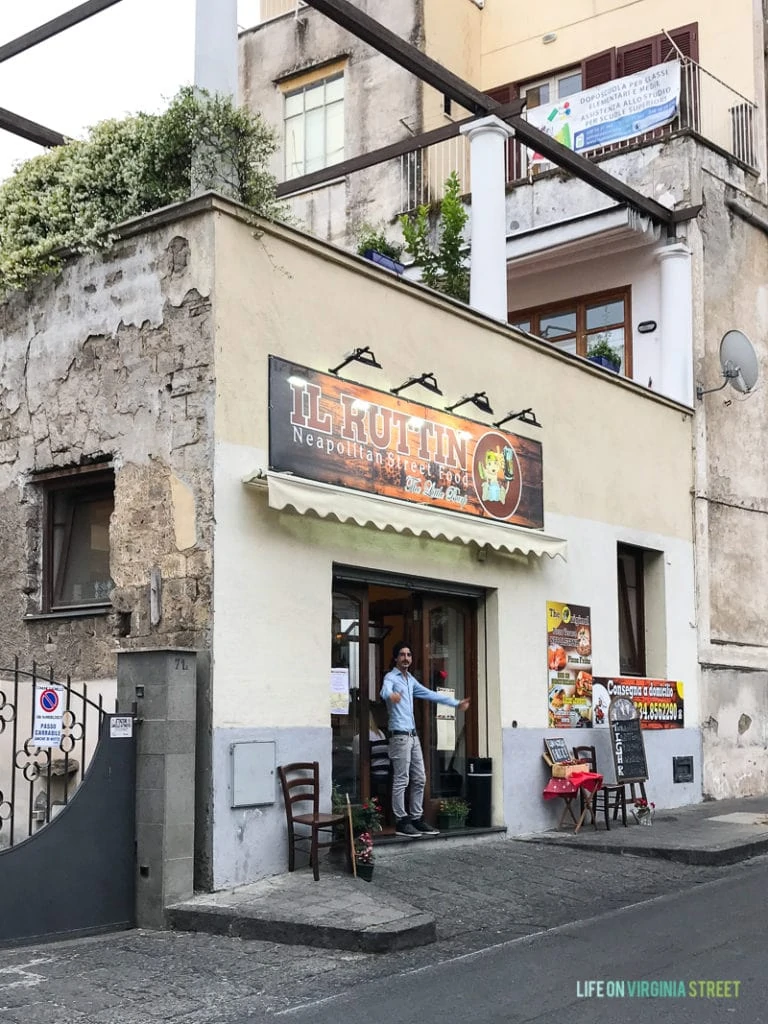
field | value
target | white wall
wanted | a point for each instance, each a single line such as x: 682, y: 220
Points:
x: 638, y: 268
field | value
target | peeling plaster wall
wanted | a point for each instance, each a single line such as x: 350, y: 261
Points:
x: 731, y: 505
x: 378, y: 97
x: 113, y: 358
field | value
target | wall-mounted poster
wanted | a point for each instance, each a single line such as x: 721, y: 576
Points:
x: 659, y: 702
x: 569, y: 665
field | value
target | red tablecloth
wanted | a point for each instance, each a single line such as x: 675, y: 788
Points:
x: 570, y: 786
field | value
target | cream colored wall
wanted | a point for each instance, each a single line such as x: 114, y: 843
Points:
x: 280, y: 293
x: 512, y: 47
x: 452, y: 32
x: 270, y: 290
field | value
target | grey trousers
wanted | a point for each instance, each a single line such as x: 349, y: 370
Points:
x: 407, y: 773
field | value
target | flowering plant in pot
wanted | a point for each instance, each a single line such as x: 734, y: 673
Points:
x: 600, y: 352
x: 367, y: 817
x: 364, y: 856
x: 452, y: 812
x: 643, y: 811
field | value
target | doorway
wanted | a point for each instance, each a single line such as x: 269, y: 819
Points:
x: 368, y: 619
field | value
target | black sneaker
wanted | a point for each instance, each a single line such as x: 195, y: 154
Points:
x: 425, y: 829
x: 405, y: 828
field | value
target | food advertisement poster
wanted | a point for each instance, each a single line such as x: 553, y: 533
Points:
x: 569, y: 663
x: 325, y: 428
x: 659, y: 702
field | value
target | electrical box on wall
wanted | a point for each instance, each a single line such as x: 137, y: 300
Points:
x: 682, y: 769
x: 252, y: 776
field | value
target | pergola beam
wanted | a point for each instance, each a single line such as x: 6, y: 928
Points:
x: 53, y: 27
x: 380, y: 156
x: 409, y: 57
x: 30, y: 130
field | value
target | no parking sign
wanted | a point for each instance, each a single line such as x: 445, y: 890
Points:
x: 49, y: 714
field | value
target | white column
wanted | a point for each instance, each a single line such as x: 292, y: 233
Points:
x: 216, y: 46
x: 676, y: 322
x: 488, y: 225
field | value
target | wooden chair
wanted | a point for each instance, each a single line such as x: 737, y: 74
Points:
x: 613, y: 794
x: 300, y: 787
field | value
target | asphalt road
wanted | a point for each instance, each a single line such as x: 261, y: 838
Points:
x: 714, y: 933
x: 519, y: 924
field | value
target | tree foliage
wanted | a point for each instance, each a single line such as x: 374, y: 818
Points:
x: 70, y: 198
x: 443, y: 268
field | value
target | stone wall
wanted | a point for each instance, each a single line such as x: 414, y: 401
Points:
x: 112, y: 361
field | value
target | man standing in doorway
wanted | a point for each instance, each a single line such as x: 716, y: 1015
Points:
x: 398, y: 690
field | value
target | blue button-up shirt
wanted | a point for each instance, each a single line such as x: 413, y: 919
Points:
x: 401, y: 713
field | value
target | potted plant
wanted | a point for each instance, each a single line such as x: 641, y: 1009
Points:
x: 600, y: 352
x: 443, y: 267
x: 643, y: 811
x: 367, y: 817
x: 375, y: 246
x: 452, y: 813
x: 364, y: 856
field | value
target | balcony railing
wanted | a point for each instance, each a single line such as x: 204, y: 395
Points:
x: 270, y: 9
x: 708, y: 107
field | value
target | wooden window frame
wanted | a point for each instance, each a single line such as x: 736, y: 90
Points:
x: 85, y: 486
x: 580, y: 303
x: 638, y: 655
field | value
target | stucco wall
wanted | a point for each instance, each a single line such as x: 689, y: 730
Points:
x: 282, y: 294
x: 513, y: 47
x: 382, y: 104
x: 731, y: 499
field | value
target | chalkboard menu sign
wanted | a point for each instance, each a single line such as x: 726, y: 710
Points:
x: 557, y: 749
x: 627, y: 741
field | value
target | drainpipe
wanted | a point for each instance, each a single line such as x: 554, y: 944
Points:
x: 216, y: 46
x: 676, y: 322
x: 488, y: 224
x: 216, y: 72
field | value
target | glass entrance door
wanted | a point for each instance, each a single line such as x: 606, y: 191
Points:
x: 367, y: 621
x: 448, y: 736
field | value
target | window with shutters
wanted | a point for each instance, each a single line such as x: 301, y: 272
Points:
x: 602, y: 67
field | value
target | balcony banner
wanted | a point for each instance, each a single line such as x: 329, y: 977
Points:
x: 327, y: 429
x: 612, y: 112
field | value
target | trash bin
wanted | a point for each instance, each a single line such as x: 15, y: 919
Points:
x: 479, y: 778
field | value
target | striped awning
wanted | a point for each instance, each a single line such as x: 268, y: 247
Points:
x: 330, y: 502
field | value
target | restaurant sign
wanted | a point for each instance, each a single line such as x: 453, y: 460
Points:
x: 327, y: 429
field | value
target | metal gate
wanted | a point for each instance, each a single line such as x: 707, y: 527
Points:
x: 67, y: 811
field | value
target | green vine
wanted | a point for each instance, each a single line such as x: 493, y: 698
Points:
x: 69, y: 199
x: 444, y: 268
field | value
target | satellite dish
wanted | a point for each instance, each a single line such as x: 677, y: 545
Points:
x: 738, y: 363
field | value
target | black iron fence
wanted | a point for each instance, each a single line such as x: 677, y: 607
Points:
x: 48, y: 733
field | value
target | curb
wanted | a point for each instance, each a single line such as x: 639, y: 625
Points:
x: 417, y: 930
x: 713, y: 856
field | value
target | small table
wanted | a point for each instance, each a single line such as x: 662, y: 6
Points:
x: 585, y: 783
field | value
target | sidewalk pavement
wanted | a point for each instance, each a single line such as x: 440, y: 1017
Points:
x: 340, y: 912
x: 481, y: 893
